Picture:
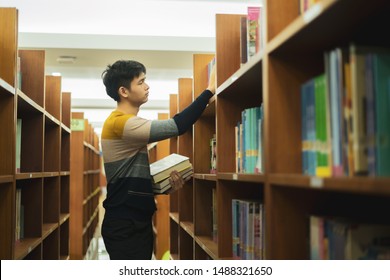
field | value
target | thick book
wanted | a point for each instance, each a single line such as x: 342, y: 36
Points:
x: 161, y: 169
x: 165, y: 185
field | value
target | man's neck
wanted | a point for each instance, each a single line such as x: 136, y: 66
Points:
x: 127, y: 108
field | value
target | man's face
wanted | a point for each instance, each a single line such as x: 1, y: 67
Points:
x: 139, y: 90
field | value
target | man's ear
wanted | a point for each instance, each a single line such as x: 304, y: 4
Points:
x: 123, y: 92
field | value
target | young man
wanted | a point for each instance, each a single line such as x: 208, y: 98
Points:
x: 127, y: 225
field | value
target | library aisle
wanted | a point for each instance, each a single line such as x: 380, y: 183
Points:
x: 101, y: 249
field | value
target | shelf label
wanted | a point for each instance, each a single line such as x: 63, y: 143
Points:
x: 316, y: 182
x: 235, y: 176
x: 77, y: 125
x: 312, y: 13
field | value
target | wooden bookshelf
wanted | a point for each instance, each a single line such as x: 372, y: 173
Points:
x: 84, y: 185
x: 293, y: 53
x: 8, y: 53
x: 35, y: 208
x: 173, y: 198
x: 161, y: 216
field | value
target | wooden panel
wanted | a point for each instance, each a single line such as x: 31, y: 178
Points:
x: 227, y: 46
x: 162, y: 202
x: 33, y: 74
x: 184, y: 100
x: 279, y: 14
x: 32, y: 142
x: 7, y: 220
x: 52, y: 149
x: 65, y: 110
x: 53, y: 96
x: 7, y: 128
x: 51, y: 200
x: 9, y: 45
x: 186, y: 245
x: 203, y: 208
x: 204, y: 128
x: 76, y: 183
x: 65, y: 150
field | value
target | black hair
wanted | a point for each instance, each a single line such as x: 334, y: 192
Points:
x: 120, y: 74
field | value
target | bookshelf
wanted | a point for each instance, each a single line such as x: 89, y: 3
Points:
x: 293, y: 53
x: 8, y: 53
x: 161, y: 216
x: 33, y: 185
x: 84, y: 185
x: 34, y: 212
x: 173, y: 198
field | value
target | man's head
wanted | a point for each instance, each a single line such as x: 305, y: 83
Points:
x: 119, y: 76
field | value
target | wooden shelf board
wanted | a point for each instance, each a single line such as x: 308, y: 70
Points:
x: 208, y: 245
x: 240, y: 85
x: 188, y: 227
x: 311, y: 29
x: 64, y: 217
x: 30, y: 175
x: 52, y: 119
x: 210, y: 109
x: 5, y: 87
x: 64, y: 127
x: 6, y: 179
x: 25, y: 103
x: 48, y: 228
x: 93, y: 216
x: 24, y: 246
x: 207, y: 177
x: 51, y: 174
x: 174, y: 216
x: 357, y: 185
x: 255, y: 178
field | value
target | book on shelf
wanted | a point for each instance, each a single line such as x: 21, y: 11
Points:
x: 164, y: 186
x: 344, y: 114
x: 18, y: 143
x: 253, y: 30
x: 248, y: 141
x: 248, y: 229
x: 305, y: 5
x: 213, y: 155
x: 161, y: 169
x: 243, y: 40
x: 214, y: 215
x: 339, y: 238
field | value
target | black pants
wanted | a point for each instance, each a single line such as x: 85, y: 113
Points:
x: 128, y: 239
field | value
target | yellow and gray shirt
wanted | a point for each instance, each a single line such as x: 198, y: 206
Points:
x: 124, y: 145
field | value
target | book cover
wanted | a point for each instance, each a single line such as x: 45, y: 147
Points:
x: 381, y: 74
x: 358, y: 90
x: 253, y: 30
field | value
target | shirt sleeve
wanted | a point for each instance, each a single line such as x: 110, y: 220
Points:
x: 186, y: 118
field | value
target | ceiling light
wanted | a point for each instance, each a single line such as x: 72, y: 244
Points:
x: 66, y: 59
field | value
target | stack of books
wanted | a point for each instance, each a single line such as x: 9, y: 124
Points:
x: 162, y: 169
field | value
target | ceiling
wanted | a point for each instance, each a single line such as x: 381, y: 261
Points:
x: 161, y: 34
